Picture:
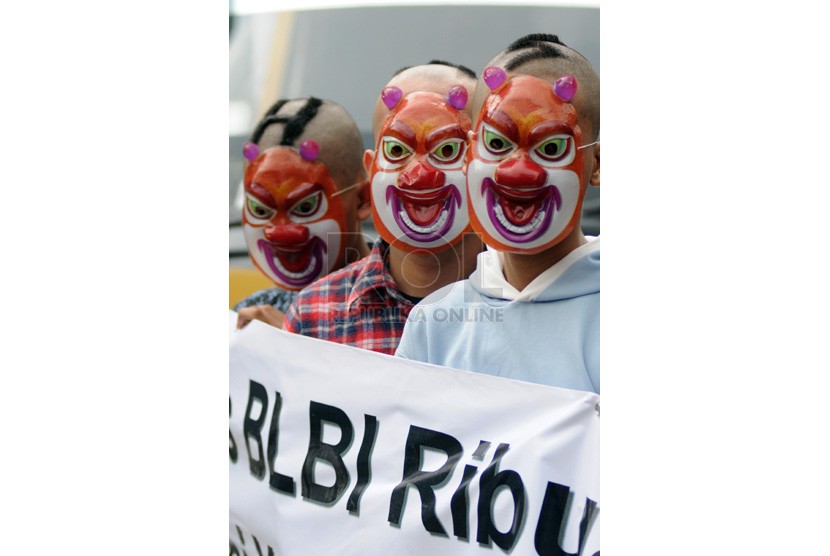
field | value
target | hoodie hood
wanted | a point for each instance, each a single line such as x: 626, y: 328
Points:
x: 574, y: 276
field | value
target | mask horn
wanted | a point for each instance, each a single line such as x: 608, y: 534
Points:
x: 494, y: 77
x: 565, y: 87
x: 391, y: 96
x: 309, y: 149
x: 457, y: 97
x: 250, y: 151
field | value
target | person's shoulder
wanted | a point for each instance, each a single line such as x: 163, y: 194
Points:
x: 447, y: 295
x: 333, y: 287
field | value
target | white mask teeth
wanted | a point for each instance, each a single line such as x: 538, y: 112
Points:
x: 432, y: 228
x: 296, y: 275
x: 526, y: 229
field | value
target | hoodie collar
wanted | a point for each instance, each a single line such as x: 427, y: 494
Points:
x: 582, y: 278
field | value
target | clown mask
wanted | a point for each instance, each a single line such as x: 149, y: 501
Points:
x: 292, y: 219
x: 418, y: 200
x: 524, y: 176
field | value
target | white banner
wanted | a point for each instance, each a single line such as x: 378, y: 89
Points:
x: 336, y: 450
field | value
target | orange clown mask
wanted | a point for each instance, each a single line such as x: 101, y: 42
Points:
x: 418, y: 200
x: 292, y: 219
x: 524, y: 172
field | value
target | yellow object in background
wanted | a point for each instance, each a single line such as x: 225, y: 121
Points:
x: 244, y: 281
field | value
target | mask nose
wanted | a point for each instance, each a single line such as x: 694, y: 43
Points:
x: 421, y: 176
x: 521, y: 172
x: 287, y: 234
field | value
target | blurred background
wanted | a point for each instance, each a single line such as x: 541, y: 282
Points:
x: 348, y: 54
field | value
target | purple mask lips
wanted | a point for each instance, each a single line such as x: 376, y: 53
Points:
x: 424, y: 217
x: 296, y: 265
x: 520, y: 215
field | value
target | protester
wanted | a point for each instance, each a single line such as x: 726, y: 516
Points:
x: 419, y: 206
x: 305, y: 195
x: 530, y: 311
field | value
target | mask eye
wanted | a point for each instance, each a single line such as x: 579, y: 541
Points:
x: 495, y: 143
x: 258, y: 210
x: 554, y: 148
x: 395, y: 151
x: 448, y: 151
x: 308, y: 206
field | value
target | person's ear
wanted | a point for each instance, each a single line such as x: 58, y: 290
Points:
x: 595, y: 172
x: 368, y: 157
x: 364, y: 203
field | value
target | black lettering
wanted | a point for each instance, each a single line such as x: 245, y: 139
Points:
x: 259, y: 549
x: 459, y: 504
x: 553, y: 520
x: 416, y: 441
x: 252, y: 428
x: 364, y: 470
x: 241, y: 540
x: 318, y: 413
x: 489, y: 483
x: 460, y: 499
x: 234, y: 453
x: 277, y: 481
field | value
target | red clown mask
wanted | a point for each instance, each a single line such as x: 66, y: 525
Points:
x: 418, y: 200
x: 293, y: 221
x: 524, y: 173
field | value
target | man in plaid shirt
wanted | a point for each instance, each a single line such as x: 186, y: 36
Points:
x: 359, y: 305
x: 419, y: 208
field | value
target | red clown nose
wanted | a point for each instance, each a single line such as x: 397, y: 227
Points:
x: 521, y: 172
x: 421, y: 177
x: 287, y: 234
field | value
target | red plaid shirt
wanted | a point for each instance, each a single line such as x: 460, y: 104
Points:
x: 358, y: 305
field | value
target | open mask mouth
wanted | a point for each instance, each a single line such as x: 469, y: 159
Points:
x: 294, y: 265
x: 520, y: 214
x: 425, y: 215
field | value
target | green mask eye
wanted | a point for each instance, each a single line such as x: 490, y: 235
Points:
x: 395, y: 151
x: 448, y: 151
x: 258, y: 210
x: 495, y: 143
x: 553, y: 149
x: 307, y: 206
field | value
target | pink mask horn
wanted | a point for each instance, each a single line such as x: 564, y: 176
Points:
x: 494, y: 77
x: 565, y: 87
x: 250, y: 151
x: 309, y: 149
x: 391, y: 96
x: 457, y: 97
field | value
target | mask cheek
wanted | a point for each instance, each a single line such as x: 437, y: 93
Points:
x: 477, y: 171
x: 253, y: 237
x: 381, y: 202
x: 330, y: 232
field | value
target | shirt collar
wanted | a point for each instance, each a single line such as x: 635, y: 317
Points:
x: 374, y: 279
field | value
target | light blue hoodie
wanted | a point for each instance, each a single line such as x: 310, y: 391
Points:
x: 548, y: 333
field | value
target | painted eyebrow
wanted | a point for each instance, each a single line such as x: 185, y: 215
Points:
x: 404, y: 132
x: 262, y: 194
x: 436, y: 136
x: 504, y: 124
x: 547, y: 128
x: 301, y: 192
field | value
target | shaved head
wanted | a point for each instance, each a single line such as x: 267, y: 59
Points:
x: 290, y: 122
x: 546, y: 57
x: 433, y: 77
